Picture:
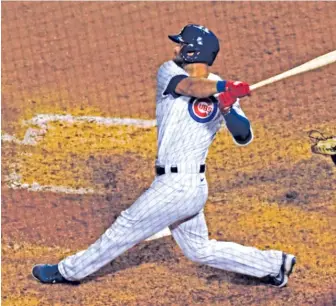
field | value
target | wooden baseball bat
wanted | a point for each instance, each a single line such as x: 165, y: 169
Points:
x: 317, y: 62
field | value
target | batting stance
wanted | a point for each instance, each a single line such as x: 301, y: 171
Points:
x: 191, y: 105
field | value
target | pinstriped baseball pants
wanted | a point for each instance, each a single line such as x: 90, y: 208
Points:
x: 177, y: 201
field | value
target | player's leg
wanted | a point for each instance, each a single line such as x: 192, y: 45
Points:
x: 192, y: 236
x: 170, y: 198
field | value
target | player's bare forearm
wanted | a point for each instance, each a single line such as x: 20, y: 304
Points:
x: 196, y: 87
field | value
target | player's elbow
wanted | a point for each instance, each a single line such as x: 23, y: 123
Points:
x: 243, y: 140
x: 239, y: 127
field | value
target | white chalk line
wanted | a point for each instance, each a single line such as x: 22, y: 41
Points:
x: 41, y: 122
x: 13, y: 181
x: 34, y: 135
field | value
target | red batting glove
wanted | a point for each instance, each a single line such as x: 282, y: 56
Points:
x: 238, y: 89
x: 225, y: 101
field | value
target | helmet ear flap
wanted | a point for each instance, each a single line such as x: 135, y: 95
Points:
x: 214, y: 55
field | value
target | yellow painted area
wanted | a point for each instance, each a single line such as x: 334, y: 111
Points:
x: 63, y: 158
x: 86, y: 138
x: 267, y: 147
x: 21, y: 301
x: 308, y: 235
x: 21, y: 250
x: 60, y: 158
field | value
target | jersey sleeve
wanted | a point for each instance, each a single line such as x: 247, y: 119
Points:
x: 172, y: 85
x: 237, y: 140
x: 168, y: 76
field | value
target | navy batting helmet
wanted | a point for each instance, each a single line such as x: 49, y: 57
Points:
x: 200, y: 44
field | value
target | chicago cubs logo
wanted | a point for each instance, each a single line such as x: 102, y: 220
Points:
x: 203, y: 110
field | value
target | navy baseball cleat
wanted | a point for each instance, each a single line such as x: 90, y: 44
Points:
x: 49, y: 274
x: 288, y: 263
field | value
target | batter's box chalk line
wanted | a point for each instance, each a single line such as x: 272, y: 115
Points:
x: 34, y: 134
x: 40, y: 122
x: 13, y: 180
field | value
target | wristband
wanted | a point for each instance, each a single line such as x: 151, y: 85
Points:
x: 221, y: 85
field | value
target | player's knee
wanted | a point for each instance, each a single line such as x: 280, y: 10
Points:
x: 200, y: 253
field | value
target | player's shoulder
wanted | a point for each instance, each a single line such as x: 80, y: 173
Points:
x: 169, y: 68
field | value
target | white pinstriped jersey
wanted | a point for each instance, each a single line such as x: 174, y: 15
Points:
x: 186, y: 126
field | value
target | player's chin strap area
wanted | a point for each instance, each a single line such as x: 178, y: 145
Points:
x: 180, y: 168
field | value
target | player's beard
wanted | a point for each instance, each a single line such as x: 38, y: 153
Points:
x: 178, y: 60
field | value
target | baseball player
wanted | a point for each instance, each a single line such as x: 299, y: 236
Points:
x: 191, y: 105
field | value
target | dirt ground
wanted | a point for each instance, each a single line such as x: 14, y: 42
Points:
x: 100, y: 59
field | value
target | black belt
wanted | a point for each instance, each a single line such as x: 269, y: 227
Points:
x: 161, y: 170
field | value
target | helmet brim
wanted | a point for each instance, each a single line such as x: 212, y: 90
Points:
x: 176, y: 38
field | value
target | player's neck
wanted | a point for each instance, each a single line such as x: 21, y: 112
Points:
x: 197, y: 70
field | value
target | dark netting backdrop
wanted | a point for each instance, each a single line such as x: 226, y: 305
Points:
x: 79, y: 146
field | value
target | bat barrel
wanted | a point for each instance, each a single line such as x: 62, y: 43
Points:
x: 318, y: 62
